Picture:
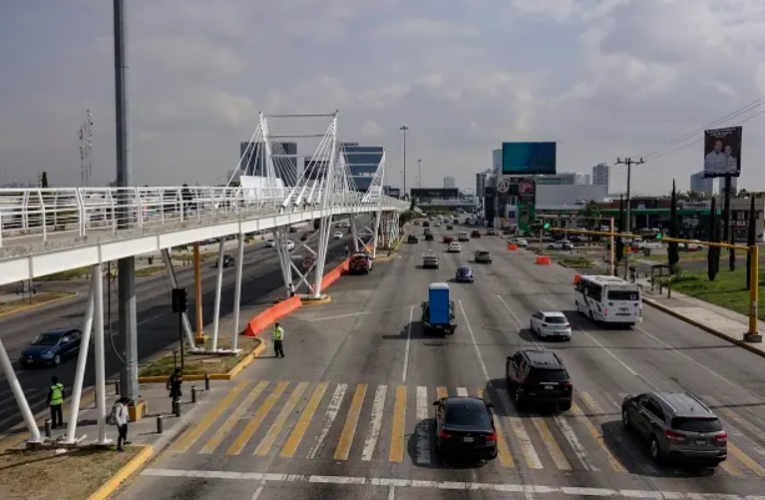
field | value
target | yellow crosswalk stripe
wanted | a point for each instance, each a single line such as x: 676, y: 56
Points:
x: 442, y: 392
x: 346, y: 437
x: 191, y: 437
x: 252, y: 426
x: 740, y: 421
x: 745, y: 459
x: 273, y: 432
x: 396, y: 453
x: 232, y: 420
x: 560, y: 460
x: 503, y: 451
x: 291, y: 446
x: 615, y: 464
x: 516, y: 424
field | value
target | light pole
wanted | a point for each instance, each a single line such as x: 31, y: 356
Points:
x: 419, y: 173
x: 404, y: 128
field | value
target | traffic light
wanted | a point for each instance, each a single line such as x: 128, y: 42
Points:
x: 659, y: 236
x: 180, y: 300
x: 546, y: 226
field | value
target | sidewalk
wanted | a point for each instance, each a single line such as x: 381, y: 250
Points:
x: 723, y: 323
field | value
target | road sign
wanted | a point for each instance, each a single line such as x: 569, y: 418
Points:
x: 504, y: 186
x: 308, y: 262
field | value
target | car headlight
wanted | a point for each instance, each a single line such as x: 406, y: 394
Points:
x: 48, y: 354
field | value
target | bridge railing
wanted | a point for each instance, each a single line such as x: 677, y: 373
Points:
x: 77, y: 212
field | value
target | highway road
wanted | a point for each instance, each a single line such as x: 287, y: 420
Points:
x: 157, y: 324
x: 347, y: 413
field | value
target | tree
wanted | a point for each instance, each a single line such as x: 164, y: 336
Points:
x: 619, y: 245
x: 44, y: 180
x: 713, y: 255
x: 751, y: 239
x: 673, y: 255
x: 591, y: 212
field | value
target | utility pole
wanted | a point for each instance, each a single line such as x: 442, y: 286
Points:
x: 628, y: 223
x: 404, y: 128
x: 419, y: 173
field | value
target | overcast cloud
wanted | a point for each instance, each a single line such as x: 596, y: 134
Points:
x: 605, y: 78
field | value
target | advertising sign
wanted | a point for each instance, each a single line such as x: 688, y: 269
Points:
x: 722, y: 152
x: 394, y: 192
x: 529, y: 158
x: 527, y: 196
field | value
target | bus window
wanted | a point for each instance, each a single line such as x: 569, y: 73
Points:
x: 632, y: 295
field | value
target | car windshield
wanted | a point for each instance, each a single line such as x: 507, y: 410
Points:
x: 633, y: 295
x: 464, y: 270
x: 697, y: 424
x: 556, y: 320
x: 47, y: 339
x: 467, y: 414
x: 483, y: 253
x: 545, y: 375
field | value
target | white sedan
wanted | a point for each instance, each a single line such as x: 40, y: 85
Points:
x: 270, y: 243
x: 551, y: 324
x: 338, y: 235
x: 454, y: 247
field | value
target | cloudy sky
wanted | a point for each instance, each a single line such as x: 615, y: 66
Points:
x: 604, y: 78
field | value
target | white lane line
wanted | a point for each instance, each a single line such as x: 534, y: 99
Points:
x: 575, y: 491
x: 392, y: 492
x: 475, y: 342
x: 374, y: 425
x: 512, y: 313
x: 258, y: 491
x: 362, y: 313
x: 408, y: 342
x: 329, y: 418
x: 516, y: 423
x: 462, y: 391
x: 423, y: 426
x: 573, y: 441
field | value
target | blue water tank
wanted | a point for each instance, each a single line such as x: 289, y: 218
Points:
x: 438, y: 297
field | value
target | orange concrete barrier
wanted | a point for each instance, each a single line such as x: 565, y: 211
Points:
x: 271, y: 316
x: 577, y: 277
x: 512, y: 246
x: 543, y: 260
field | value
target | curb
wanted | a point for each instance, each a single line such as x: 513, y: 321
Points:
x: 32, y: 307
x: 704, y: 327
x: 325, y: 300
x: 125, y: 472
x: 213, y: 376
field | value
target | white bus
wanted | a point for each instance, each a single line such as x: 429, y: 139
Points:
x: 609, y: 299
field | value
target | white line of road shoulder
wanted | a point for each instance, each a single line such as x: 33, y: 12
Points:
x: 408, y: 342
x: 576, y: 491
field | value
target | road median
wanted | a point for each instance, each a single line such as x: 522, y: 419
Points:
x: 34, y: 302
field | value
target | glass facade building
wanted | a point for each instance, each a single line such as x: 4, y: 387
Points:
x: 362, y: 162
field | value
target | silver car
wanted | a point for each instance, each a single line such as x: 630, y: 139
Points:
x: 676, y: 426
x: 550, y: 324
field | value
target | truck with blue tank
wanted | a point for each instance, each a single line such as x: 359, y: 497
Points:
x: 438, y: 310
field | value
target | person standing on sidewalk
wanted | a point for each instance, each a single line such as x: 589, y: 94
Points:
x: 174, y: 385
x: 56, y: 402
x: 278, y: 341
x: 121, y: 418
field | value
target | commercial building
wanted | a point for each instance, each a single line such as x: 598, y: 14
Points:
x: 601, y: 175
x: 563, y: 178
x: 362, y: 162
x: 480, y: 183
x: 699, y: 184
x: 284, y: 155
x: 449, y: 182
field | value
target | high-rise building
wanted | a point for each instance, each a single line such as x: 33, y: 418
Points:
x: 701, y: 185
x: 284, y: 156
x: 480, y: 184
x: 496, y: 161
x: 449, y: 182
x: 362, y: 162
x: 601, y: 175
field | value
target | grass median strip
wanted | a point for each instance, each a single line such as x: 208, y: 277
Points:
x: 36, y: 300
x: 74, y: 475
x: 201, y: 364
x: 727, y: 290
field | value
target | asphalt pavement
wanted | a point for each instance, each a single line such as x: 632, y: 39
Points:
x: 157, y: 324
x: 347, y: 413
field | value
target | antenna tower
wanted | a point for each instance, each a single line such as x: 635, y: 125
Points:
x: 86, y: 150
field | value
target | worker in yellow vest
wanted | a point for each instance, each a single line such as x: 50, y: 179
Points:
x: 56, y: 402
x: 278, y: 339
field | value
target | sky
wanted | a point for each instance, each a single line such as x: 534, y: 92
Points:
x: 603, y: 78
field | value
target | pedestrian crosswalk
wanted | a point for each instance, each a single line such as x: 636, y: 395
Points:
x: 372, y: 423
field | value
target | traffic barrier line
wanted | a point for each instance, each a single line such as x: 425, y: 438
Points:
x: 271, y: 315
x: 124, y: 473
x: 702, y: 326
x: 195, y: 377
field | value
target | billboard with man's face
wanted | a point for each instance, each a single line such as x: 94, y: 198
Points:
x: 722, y: 152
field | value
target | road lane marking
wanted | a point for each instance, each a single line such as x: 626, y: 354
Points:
x: 375, y: 423
x: 475, y: 342
x: 503, y: 451
x: 744, y: 459
x: 291, y: 446
x: 234, y: 419
x: 362, y: 313
x: 740, y: 421
x: 396, y: 453
x: 423, y: 426
x: 462, y: 391
x: 258, y: 490
x: 329, y: 418
x: 351, y: 422
x: 615, y: 464
x: 538, y: 489
x: 252, y: 426
x: 512, y: 313
x: 408, y: 342
x: 560, y: 460
x: 442, y: 392
x: 276, y: 428
x: 516, y: 424
x: 190, y: 437
x: 579, y: 450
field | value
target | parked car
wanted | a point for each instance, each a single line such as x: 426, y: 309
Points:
x: 539, y: 376
x: 51, y: 348
x: 464, y: 275
x: 552, y: 324
x: 465, y: 428
x: 676, y: 426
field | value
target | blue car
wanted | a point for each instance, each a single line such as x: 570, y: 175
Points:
x: 464, y: 274
x: 51, y: 348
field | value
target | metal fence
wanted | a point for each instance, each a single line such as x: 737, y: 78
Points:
x: 44, y: 214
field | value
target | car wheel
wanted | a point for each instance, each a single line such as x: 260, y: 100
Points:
x: 626, y: 419
x: 655, y: 449
x: 57, y: 360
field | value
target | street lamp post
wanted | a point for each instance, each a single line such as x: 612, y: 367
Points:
x: 419, y: 173
x: 404, y: 128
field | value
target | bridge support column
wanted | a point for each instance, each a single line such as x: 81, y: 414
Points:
x: 218, y: 293
x: 324, y: 228
x: 18, y: 394
x: 376, y: 230
x: 200, y: 334
x: 174, y: 282
x: 280, y: 242
x: 354, y: 233
x: 82, y: 361
x: 238, y: 292
x: 98, y: 296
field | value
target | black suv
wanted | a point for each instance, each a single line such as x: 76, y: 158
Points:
x: 538, y: 376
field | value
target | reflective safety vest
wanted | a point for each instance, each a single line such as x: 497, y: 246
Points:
x: 57, y: 394
x: 278, y: 333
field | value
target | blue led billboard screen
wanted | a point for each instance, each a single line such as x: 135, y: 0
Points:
x: 528, y: 158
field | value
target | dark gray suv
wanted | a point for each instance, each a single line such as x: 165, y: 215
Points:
x: 676, y: 426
